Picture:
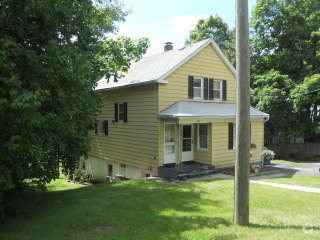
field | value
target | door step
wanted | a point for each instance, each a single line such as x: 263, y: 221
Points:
x: 198, y: 170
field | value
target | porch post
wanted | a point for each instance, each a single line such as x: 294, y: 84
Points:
x: 178, y: 146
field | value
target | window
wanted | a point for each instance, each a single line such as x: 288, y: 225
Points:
x: 197, y: 88
x: 232, y: 135
x: 217, y: 90
x: 207, y: 88
x: 102, y: 128
x: 120, y: 112
x: 170, y: 134
x: 203, y: 136
x: 110, y: 170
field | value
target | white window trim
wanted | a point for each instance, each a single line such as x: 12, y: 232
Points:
x: 214, y: 89
x: 198, y: 142
x: 201, y: 88
x: 120, y: 103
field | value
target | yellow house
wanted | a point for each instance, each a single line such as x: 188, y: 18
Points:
x: 173, y: 113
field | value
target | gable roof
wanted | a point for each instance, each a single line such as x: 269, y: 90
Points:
x: 205, y: 109
x: 157, y: 67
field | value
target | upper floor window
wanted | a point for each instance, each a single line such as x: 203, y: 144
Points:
x: 207, y: 89
x: 197, y: 88
x: 121, y: 112
x: 217, y: 89
x: 102, y: 128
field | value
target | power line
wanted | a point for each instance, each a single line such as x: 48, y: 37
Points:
x: 278, y: 96
x: 298, y: 82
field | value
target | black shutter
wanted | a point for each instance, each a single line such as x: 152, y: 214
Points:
x: 105, y: 127
x: 116, y: 112
x: 96, y: 128
x: 224, y: 90
x: 125, y: 112
x: 211, y: 89
x: 230, y: 135
x: 205, y: 88
x: 190, y: 87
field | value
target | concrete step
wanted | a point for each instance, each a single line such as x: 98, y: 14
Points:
x: 200, y: 173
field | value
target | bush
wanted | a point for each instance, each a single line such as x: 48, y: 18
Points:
x: 83, y: 177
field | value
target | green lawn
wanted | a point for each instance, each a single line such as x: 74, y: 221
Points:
x: 145, y: 210
x: 299, y: 180
x: 290, y: 162
x: 298, y: 162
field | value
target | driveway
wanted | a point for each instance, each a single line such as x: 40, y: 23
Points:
x: 311, y: 169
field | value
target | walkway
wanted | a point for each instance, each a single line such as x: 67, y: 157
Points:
x: 306, y: 169
x: 286, y: 186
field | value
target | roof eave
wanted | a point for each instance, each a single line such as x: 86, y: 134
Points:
x: 208, y: 116
x: 132, y: 85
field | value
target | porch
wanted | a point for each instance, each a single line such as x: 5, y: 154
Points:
x: 184, y: 170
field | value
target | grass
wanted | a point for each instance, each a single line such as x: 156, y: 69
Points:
x: 298, y: 161
x: 144, y: 210
x: 61, y: 184
x: 288, y: 161
x: 299, y: 180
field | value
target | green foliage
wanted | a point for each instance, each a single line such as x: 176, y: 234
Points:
x: 116, y: 55
x: 271, y: 95
x: 286, y: 39
x: 214, y: 27
x: 306, y: 99
x: 51, y: 58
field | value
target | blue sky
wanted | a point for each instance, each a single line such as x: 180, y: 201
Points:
x: 171, y: 20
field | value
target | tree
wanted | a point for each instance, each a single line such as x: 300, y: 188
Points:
x: 286, y: 37
x: 51, y: 58
x: 306, y: 101
x: 286, y: 40
x: 214, y: 27
x: 271, y: 95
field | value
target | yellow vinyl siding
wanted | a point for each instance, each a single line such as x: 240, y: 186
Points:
x: 161, y: 141
x: 135, y: 142
x: 221, y: 155
x: 207, y: 63
x: 224, y: 157
x: 257, y: 137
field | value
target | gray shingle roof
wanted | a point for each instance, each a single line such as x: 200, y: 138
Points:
x: 156, y: 67
x: 205, y: 109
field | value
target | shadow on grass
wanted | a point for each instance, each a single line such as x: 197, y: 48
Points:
x: 274, y: 227
x: 139, y: 209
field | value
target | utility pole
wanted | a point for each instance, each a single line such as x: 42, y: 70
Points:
x: 241, y: 201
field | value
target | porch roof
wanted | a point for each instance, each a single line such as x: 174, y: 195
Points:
x: 205, y: 109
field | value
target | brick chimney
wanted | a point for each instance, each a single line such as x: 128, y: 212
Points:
x: 168, y: 46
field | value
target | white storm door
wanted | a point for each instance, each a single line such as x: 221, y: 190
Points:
x: 187, y: 143
x: 169, y: 143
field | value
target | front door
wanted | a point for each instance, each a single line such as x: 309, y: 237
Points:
x: 169, y: 143
x: 187, y: 143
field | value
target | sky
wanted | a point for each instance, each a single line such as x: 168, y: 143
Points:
x: 171, y: 20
